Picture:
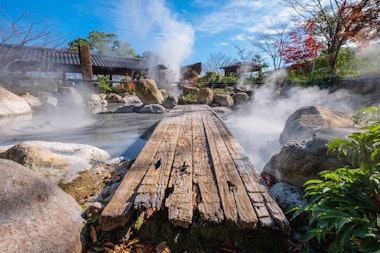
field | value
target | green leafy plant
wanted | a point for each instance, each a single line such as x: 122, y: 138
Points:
x: 367, y: 115
x: 344, y: 205
x: 103, y: 83
x: 191, y: 97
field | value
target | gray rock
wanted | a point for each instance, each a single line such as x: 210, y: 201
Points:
x: 11, y: 104
x: 147, y: 91
x: 298, y: 162
x: 34, y: 102
x: 240, y: 98
x: 223, y: 100
x: 95, y: 99
x: 170, y: 102
x: 60, y: 162
x: 152, y: 108
x: 35, y: 214
x: 222, y: 110
x: 302, y: 124
x: 49, y: 104
x: 132, y: 100
x: 287, y: 195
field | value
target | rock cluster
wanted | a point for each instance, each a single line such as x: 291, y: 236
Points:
x: 304, y: 138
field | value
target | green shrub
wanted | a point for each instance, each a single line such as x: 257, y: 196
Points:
x: 191, y: 97
x: 344, y: 205
x: 103, y: 83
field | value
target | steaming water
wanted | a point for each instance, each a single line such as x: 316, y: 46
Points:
x: 119, y: 134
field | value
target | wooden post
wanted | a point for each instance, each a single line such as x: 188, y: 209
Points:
x: 86, y: 64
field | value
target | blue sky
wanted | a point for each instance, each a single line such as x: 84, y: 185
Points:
x: 184, y: 32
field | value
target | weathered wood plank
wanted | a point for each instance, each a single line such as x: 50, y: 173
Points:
x: 236, y: 204
x: 208, y: 200
x: 193, y: 156
x: 151, y: 193
x: 119, y: 209
x: 180, y: 201
x: 276, y: 213
x: 248, y: 174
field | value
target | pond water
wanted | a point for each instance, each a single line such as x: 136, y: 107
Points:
x: 124, y: 134
x: 121, y: 134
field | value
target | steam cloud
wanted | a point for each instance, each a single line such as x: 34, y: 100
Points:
x: 259, y: 127
x: 165, y: 34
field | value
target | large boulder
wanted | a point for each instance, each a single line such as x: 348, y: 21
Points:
x: 35, y: 214
x: 132, y: 100
x: 44, y: 103
x: 97, y: 104
x: 148, y: 93
x: 303, y: 123
x: 205, y: 96
x: 240, y: 98
x: 305, y: 155
x: 60, y: 162
x: 69, y: 97
x: 11, y: 104
x: 223, y: 100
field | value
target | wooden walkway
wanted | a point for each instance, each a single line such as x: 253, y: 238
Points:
x: 193, y: 166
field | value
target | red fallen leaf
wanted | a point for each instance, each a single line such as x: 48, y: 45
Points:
x: 162, y: 248
x: 146, y: 247
x: 226, y: 250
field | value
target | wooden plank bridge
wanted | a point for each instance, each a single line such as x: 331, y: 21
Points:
x: 192, y: 165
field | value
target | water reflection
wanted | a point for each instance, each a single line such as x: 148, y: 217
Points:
x: 118, y: 134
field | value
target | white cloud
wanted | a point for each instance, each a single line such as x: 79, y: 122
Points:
x: 240, y: 37
x: 246, y: 16
x: 223, y: 44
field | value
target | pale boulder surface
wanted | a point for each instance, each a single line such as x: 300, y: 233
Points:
x: 59, y: 162
x: 11, y: 104
x: 35, y: 214
x: 148, y: 92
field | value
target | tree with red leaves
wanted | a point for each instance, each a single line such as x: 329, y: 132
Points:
x: 338, y: 21
x: 363, y: 21
x: 302, y: 46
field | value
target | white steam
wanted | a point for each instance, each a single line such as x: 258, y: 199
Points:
x: 370, y: 54
x: 259, y: 127
x: 160, y: 30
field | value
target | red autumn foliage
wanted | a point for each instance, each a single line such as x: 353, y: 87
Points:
x: 302, y: 45
x: 361, y: 20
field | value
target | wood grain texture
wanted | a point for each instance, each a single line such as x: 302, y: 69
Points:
x: 193, y: 166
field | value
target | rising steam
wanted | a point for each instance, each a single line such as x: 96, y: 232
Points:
x: 259, y: 127
x: 167, y: 36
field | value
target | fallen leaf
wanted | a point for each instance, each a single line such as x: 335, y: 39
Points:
x: 162, y: 248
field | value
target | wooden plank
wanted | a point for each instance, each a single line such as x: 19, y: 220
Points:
x: 248, y: 174
x: 236, y: 204
x: 207, y: 195
x: 276, y: 213
x: 152, y: 190
x: 119, y: 209
x: 180, y: 201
